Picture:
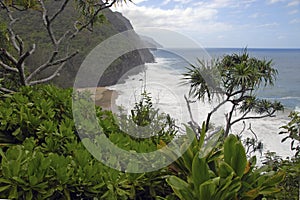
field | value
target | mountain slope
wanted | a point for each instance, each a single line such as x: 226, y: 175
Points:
x: 31, y: 29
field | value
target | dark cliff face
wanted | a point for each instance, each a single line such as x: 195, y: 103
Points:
x: 128, y: 61
x: 115, y: 23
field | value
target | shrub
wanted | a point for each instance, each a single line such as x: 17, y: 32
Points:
x: 42, y: 156
x: 222, y: 172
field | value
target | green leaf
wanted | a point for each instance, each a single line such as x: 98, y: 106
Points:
x: 200, y: 172
x: 268, y: 191
x: 13, y: 194
x: 3, y: 188
x: 239, y: 161
x: 179, y: 186
x: 224, y: 169
x: 3, y: 180
x: 275, y: 179
x: 208, y: 189
x: 229, y: 145
x: 235, y: 155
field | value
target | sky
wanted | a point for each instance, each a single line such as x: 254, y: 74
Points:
x: 222, y: 23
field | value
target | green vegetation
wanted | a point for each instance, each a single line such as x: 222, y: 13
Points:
x: 42, y: 157
x: 234, y: 80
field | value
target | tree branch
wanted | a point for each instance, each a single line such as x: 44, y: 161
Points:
x: 196, y: 128
x: 20, y: 65
x: 5, y: 90
x: 50, y: 63
x: 213, y: 111
x: 92, y: 18
x: 47, y: 23
x: 56, y: 73
x: 63, y: 6
x: 9, y: 56
x: 255, y: 117
x: 6, y: 67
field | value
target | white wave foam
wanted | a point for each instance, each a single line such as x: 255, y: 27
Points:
x: 168, y: 95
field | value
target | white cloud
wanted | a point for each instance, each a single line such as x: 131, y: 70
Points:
x: 292, y: 12
x: 254, y: 15
x: 275, y: 1
x: 281, y: 37
x: 294, y: 3
x: 268, y: 25
x: 200, y: 19
x: 295, y: 21
x: 139, y: 1
x: 165, y: 2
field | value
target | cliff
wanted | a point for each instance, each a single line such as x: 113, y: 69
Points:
x: 32, y: 31
x: 127, y: 61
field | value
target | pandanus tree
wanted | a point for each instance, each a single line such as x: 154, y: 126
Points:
x: 15, y: 51
x: 234, y: 79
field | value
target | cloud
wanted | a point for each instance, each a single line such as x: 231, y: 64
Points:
x: 225, y: 3
x: 294, y: 21
x: 281, y: 37
x: 275, y: 1
x: 200, y: 18
x: 292, y: 12
x: 165, y: 2
x: 294, y: 3
x: 139, y: 1
x: 255, y: 15
x: 268, y: 25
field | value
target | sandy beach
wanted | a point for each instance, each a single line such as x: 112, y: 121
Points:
x: 103, y: 97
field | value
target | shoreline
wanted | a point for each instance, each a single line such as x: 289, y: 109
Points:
x: 103, y: 97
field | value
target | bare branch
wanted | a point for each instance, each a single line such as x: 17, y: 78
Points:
x: 13, y: 35
x: 212, y: 112
x: 63, y: 37
x: 20, y: 65
x: 20, y: 44
x: 101, y: 6
x: 250, y: 128
x: 5, y: 90
x: 271, y: 114
x: 6, y: 67
x: 47, y: 23
x: 56, y: 73
x: 196, y: 128
x: 50, y: 63
x: 9, y: 56
x: 64, y: 4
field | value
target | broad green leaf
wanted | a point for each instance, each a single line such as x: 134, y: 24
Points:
x: 235, y: 155
x: 179, y: 186
x: 3, y: 188
x: 3, y: 180
x: 207, y: 189
x: 229, y: 148
x: 224, y: 169
x: 200, y: 171
x: 239, y: 161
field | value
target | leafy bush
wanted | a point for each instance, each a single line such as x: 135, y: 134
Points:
x: 293, y: 131
x: 222, y: 173
x: 43, y: 157
x: 291, y: 167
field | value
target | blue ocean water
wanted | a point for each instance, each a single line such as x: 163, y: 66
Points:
x: 286, y: 61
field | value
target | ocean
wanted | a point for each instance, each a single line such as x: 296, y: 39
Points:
x: 163, y: 80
